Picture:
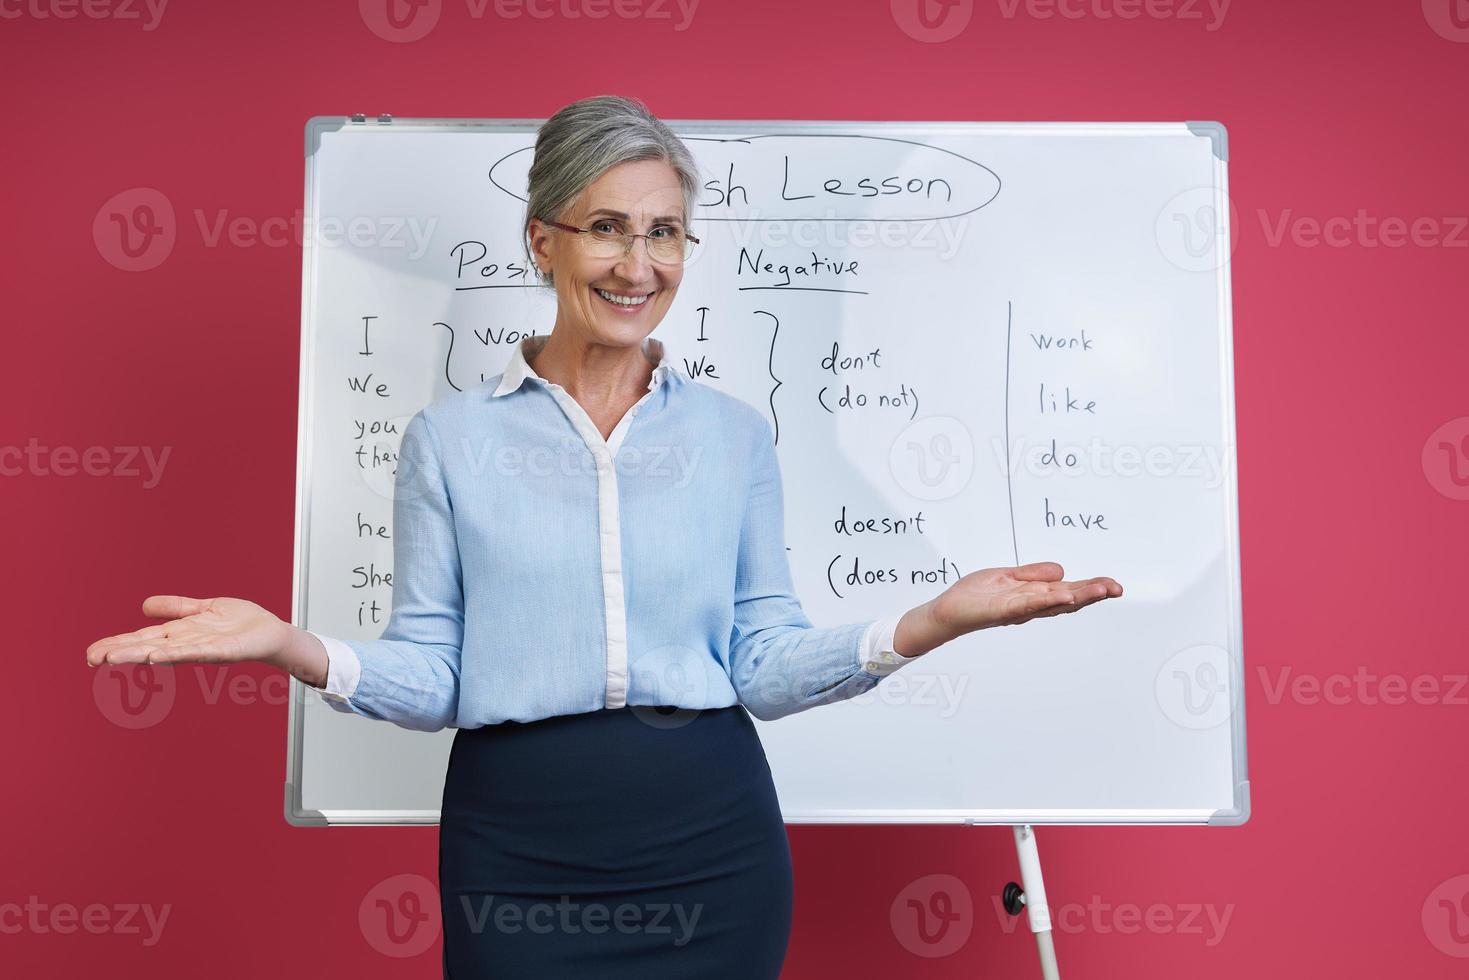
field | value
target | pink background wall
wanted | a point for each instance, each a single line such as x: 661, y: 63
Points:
x: 1351, y: 353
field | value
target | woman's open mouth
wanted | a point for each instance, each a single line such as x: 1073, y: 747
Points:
x: 624, y: 303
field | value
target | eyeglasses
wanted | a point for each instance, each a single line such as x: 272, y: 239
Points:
x: 603, y: 241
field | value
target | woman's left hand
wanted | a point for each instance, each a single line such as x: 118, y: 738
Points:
x: 997, y: 597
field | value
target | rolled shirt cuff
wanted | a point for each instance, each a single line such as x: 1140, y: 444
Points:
x: 344, y: 670
x: 878, y: 656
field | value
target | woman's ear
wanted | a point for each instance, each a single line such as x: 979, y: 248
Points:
x: 540, y: 245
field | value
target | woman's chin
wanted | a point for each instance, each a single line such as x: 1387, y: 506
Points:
x: 624, y: 325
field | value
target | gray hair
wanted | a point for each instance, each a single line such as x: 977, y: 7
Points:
x: 587, y: 138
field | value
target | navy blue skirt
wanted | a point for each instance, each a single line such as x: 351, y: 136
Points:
x: 628, y: 842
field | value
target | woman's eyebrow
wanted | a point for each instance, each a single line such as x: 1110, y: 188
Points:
x: 623, y: 216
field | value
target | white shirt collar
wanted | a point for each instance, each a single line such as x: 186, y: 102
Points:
x: 519, y: 367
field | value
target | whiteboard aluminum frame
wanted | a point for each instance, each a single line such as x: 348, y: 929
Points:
x: 1238, y: 813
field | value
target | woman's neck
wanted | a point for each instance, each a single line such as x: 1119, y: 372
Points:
x: 599, y: 376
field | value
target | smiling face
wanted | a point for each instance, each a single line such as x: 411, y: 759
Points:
x: 637, y: 197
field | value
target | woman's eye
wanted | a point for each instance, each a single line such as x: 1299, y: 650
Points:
x: 605, y: 226
x: 666, y: 231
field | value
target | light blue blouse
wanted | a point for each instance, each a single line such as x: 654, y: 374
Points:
x: 541, y: 570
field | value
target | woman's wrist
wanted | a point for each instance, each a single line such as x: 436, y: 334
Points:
x: 304, y: 657
x: 918, y: 632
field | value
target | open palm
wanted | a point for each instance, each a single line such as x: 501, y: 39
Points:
x: 1006, y: 596
x: 220, y: 630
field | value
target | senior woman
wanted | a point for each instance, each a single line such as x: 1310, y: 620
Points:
x: 599, y: 611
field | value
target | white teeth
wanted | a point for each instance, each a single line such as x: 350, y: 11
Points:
x: 622, y: 300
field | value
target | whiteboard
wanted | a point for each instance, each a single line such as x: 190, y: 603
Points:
x: 977, y: 344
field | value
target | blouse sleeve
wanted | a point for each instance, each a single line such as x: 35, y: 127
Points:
x: 779, y: 663
x: 410, y: 674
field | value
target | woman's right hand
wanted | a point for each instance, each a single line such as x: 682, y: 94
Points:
x: 214, y: 631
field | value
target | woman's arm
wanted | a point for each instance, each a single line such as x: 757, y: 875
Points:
x: 779, y: 663
x: 409, y: 676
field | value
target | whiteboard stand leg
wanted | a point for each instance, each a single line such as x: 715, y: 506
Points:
x: 1032, y: 898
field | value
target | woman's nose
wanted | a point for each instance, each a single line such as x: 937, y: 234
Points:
x: 635, y: 265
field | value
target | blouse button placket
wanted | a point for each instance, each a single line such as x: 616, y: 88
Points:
x: 614, y: 604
